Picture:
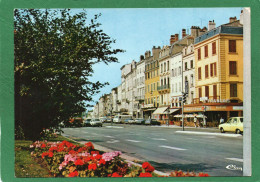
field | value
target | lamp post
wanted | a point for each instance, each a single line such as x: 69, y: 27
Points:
x: 168, y: 115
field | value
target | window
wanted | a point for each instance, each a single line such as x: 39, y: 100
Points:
x: 232, y: 45
x: 200, y: 92
x: 206, y: 71
x: 168, y: 66
x: 164, y: 67
x: 199, y: 54
x: 179, y: 70
x: 186, y: 66
x: 215, y: 69
x: 191, y: 64
x: 214, y: 91
x: 172, y: 72
x: 199, y: 73
x: 206, y: 51
x: 207, y: 91
x: 211, y: 69
x: 233, y: 90
x: 191, y: 80
x: 214, y: 48
x: 148, y: 90
x: 232, y: 67
x: 161, y: 68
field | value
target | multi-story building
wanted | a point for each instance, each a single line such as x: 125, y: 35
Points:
x: 151, y: 81
x: 140, y: 87
x: 188, y: 65
x: 114, y: 98
x: 219, y: 72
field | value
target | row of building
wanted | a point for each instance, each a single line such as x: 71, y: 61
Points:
x: 207, y: 64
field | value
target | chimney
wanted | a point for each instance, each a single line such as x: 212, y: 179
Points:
x: 211, y: 25
x: 176, y: 37
x: 194, y: 31
x: 183, y: 32
x: 172, y: 39
x: 156, y: 51
x: 141, y: 57
x: 241, y: 17
x: 202, y: 31
x: 232, y: 19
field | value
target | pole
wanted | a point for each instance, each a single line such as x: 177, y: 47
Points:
x: 182, y: 107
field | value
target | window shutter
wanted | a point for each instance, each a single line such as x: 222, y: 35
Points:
x: 211, y: 70
x: 215, y: 69
x: 232, y: 45
x: 206, y: 51
x: 206, y: 71
x: 214, y: 48
x: 199, y: 54
x: 199, y: 73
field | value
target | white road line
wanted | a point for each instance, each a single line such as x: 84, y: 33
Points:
x: 135, y: 141
x: 109, y: 136
x: 208, y: 133
x: 113, y: 141
x: 84, y: 132
x: 114, y: 127
x: 193, y: 139
x: 235, y: 159
x: 158, y: 138
x: 169, y: 147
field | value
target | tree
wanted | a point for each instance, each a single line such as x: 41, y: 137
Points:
x: 54, y: 53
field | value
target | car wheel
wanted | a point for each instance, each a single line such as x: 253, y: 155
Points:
x: 238, y: 131
x: 222, y: 130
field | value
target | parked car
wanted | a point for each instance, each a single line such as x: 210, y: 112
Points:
x: 126, y: 121
x: 109, y: 120
x: 96, y: 122
x: 131, y: 121
x: 103, y: 119
x: 233, y: 124
x: 152, y: 122
x: 139, y: 121
x: 121, y: 118
x: 87, y: 122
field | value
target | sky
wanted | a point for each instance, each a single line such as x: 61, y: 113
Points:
x: 137, y: 30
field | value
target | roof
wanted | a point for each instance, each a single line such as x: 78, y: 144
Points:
x: 222, y: 29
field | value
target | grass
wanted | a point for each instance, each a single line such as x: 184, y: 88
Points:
x: 25, y: 165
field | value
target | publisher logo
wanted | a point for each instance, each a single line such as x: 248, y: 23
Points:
x: 234, y: 167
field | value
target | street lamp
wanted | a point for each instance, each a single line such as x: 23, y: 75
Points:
x: 168, y: 115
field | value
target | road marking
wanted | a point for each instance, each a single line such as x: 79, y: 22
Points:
x: 235, y: 159
x: 158, y: 138
x: 114, y: 127
x: 208, y: 133
x: 109, y: 136
x: 135, y: 141
x: 193, y: 139
x: 169, y: 147
x: 113, y: 141
x: 84, y: 132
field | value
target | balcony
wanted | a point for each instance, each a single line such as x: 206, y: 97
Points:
x: 139, y: 98
x: 163, y: 88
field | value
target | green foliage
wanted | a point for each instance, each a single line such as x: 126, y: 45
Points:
x: 54, y: 53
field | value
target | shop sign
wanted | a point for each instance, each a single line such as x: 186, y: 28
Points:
x: 237, y: 107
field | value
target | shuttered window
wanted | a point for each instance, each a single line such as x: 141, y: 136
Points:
x: 206, y: 50
x: 214, y: 91
x: 233, y: 90
x: 232, y: 45
x: 206, y: 71
x: 207, y: 91
x: 214, y: 48
x: 211, y: 69
x: 199, y: 54
x: 199, y: 73
x: 232, y: 67
x: 200, y: 93
x: 215, y: 69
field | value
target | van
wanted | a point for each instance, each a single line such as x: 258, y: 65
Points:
x: 121, y: 118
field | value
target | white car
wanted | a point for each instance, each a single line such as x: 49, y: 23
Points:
x: 234, y: 124
x: 96, y: 122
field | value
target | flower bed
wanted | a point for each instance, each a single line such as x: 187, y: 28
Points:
x: 68, y: 160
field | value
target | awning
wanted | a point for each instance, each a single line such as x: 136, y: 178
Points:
x: 160, y: 110
x: 171, y: 111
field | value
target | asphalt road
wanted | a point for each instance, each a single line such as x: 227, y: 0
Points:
x: 167, y: 149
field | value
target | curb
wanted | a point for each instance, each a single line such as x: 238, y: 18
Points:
x: 127, y: 158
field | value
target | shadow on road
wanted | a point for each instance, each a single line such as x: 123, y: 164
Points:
x: 170, y: 167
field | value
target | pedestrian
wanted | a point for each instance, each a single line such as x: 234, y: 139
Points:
x: 221, y: 120
x: 195, y: 121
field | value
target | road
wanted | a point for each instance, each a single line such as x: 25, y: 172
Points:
x: 168, y: 149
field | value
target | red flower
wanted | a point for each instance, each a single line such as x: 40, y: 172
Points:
x: 44, y: 154
x: 79, y: 162
x: 53, y: 148
x: 145, y: 175
x: 86, y: 159
x: 178, y: 173
x: 146, y: 165
x: 109, y: 175
x: 94, y: 152
x: 98, y: 157
x: 92, y: 166
x: 203, y: 175
x: 102, y: 161
x: 116, y: 175
x: 72, y: 152
x: 43, y: 145
x: 149, y: 169
x: 73, y: 174
x: 50, y: 154
x: 89, y: 144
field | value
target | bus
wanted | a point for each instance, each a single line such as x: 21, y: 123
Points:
x: 121, y: 118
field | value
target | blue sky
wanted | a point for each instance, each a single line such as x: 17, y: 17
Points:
x: 138, y: 30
